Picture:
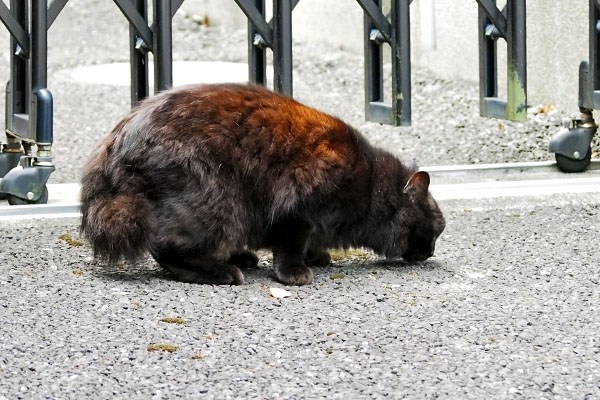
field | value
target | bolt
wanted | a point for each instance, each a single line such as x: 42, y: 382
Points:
x: 29, y: 195
x: 259, y: 41
x: 576, y: 155
x: 376, y: 36
x: 492, y: 32
x: 140, y: 45
x: 19, y: 52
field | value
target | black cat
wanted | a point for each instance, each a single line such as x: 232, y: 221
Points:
x: 200, y: 176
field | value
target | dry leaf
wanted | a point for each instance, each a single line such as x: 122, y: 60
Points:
x: 177, y: 320
x: 70, y: 241
x: 542, y: 109
x: 162, y: 347
x: 279, y: 293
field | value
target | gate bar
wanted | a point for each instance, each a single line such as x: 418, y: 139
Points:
x: 276, y: 35
x: 138, y: 56
x: 163, y: 46
x: 378, y: 31
x: 509, y: 25
x: 590, y: 94
x: 14, y: 27
x: 282, y: 47
x: 156, y: 39
x: 257, y: 54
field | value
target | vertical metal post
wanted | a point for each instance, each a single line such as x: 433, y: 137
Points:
x: 257, y: 54
x: 17, y: 101
x: 163, y: 46
x: 488, y: 71
x: 401, y: 85
x: 516, y: 107
x: 373, y: 64
x: 39, y: 44
x: 138, y: 51
x: 40, y: 111
x: 594, y: 56
x: 282, y: 46
x: 19, y: 67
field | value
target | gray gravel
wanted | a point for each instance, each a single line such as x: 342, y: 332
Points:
x: 507, y: 308
x: 446, y: 127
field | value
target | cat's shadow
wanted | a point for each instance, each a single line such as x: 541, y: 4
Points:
x: 147, y: 271
x: 379, y: 266
x: 138, y: 272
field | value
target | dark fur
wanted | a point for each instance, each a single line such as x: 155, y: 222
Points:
x: 197, y: 176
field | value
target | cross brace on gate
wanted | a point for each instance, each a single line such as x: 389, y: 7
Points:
x: 156, y: 38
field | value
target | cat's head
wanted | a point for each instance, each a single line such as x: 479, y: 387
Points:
x: 417, y: 223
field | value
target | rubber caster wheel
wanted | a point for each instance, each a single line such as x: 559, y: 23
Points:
x: 567, y: 164
x: 17, y: 201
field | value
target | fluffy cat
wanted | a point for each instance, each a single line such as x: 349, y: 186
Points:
x: 200, y: 176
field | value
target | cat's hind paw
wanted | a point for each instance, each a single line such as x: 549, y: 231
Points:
x: 244, y: 259
x: 224, y: 274
x: 297, y: 275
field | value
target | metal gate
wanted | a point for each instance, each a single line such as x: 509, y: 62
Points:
x: 29, y: 102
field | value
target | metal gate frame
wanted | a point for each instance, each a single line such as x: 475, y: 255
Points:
x: 29, y: 111
x: 29, y: 102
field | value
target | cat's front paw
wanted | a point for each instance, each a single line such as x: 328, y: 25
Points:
x: 296, y: 275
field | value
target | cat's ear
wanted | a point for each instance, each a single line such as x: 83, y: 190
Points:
x: 417, y: 186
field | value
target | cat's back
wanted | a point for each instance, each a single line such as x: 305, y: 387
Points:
x: 239, y: 108
x: 231, y: 120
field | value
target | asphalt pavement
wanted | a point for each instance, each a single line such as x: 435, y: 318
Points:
x: 507, y: 308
